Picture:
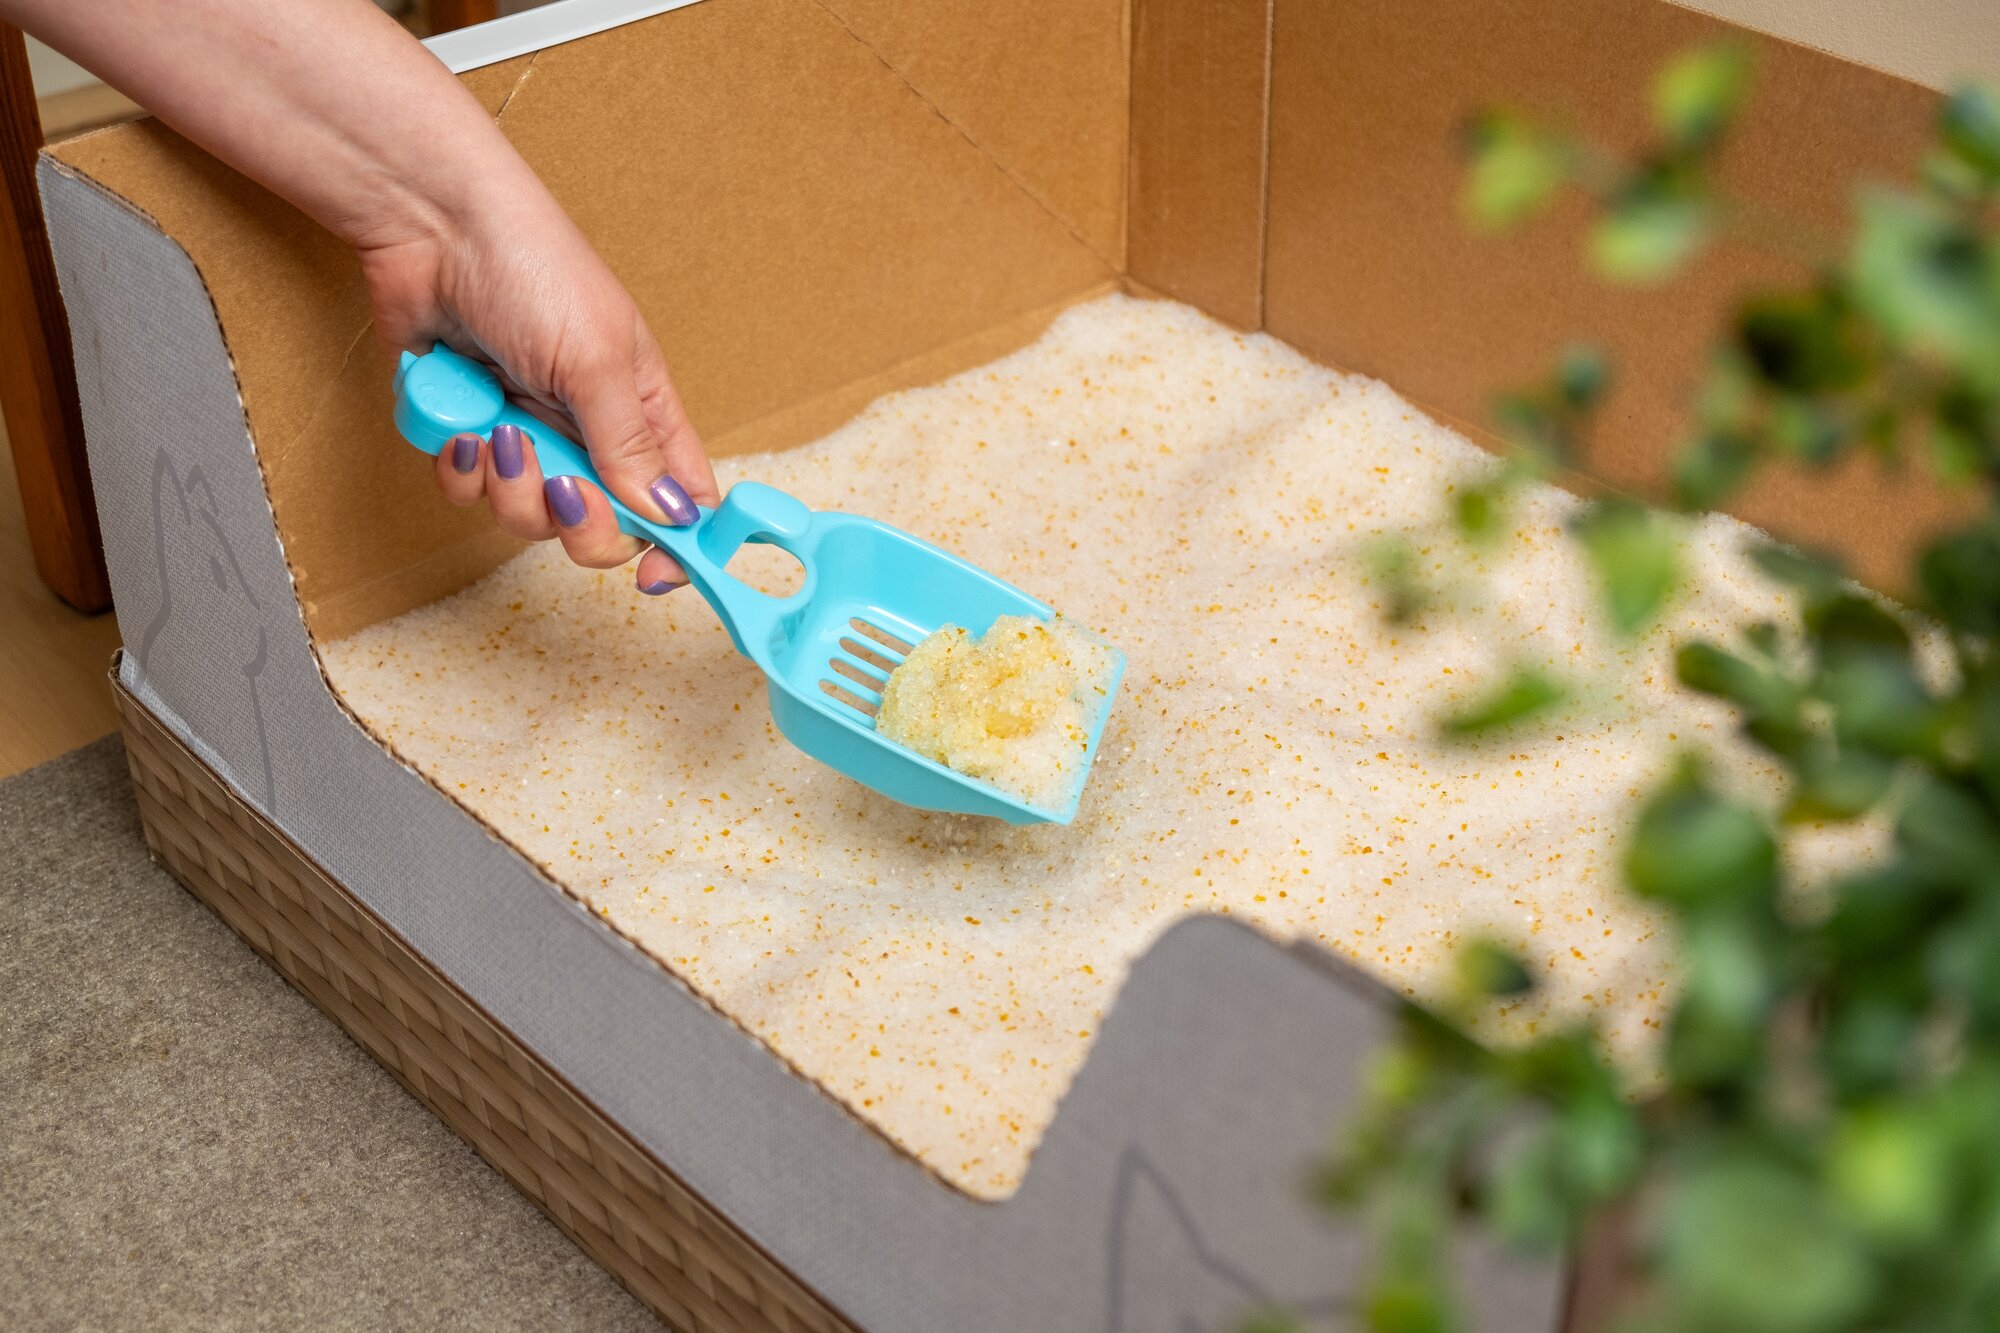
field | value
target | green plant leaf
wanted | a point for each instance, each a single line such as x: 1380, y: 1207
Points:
x: 1516, y: 171
x: 1932, y: 284
x: 1408, y: 1305
x: 1802, y: 343
x: 1950, y: 834
x: 1523, y: 1199
x: 1949, y: 177
x: 1534, y: 429
x: 1868, y: 1038
x: 1524, y: 695
x: 1392, y: 564
x: 1957, y: 456
x: 1755, y: 1249
x: 1770, y: 701
x: 1478, y: 512
x: 1636, y: 554
x: 1729, y: 983
x: 1889, y: 1169
x: 1485, y: 969
x: 1581, y: 376
x: 1271, y: 1321
x: 1960, y: 576
x: 1698, y: 93
x: 1399, y: 1075
x: 1693, y: 848
x: 1647, y: 238
x: 1816, y: 577
x: 1710, y: 468
x: 1970, y: 125
x: 1812, y: 430
x: 1601, y: 1146
x: 1840, y: 787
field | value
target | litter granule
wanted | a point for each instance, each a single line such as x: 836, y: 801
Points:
x: 1203, y: 499
x: 1012, y: 707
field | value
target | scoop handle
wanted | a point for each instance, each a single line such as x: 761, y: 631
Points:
x: 442, y: 394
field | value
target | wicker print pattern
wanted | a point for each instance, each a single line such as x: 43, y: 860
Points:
x: 665, y: 1244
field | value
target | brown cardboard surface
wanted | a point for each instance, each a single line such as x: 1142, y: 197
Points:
x: 845, y: 227
x: 1371, y: 267
x: 1196, y: 175
x: 1060, y: 131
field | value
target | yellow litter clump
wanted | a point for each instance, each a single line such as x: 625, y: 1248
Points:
x: 1273, y: 757
x: 1012, y: 707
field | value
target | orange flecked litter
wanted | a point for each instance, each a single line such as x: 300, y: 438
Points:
x: 1204, y: 498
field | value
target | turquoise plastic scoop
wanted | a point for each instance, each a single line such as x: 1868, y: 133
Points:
x: 871, y: 592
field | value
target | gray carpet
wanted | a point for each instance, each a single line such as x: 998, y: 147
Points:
x: 186, y: 1142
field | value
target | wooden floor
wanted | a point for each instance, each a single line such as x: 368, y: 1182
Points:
x: 53, y: 693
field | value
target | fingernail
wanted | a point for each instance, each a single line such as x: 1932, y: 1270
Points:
x: 673, y: 502
x: 508, y: 460
x: 659, y: 587
x: 464, y: 453
x: 565, y: 500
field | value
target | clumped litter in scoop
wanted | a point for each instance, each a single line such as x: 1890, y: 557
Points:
x: 1211, y: 497
x: 1012, y: 707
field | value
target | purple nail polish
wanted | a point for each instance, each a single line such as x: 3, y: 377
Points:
x: 464, y: 453
x: 673, y: 502
x: 508, y: 459
x: 659, y: 587
x: 565, y: 500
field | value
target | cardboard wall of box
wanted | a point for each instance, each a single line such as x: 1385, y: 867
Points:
x: 815, y: 202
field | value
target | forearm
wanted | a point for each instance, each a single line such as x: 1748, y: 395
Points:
x: 329, y: 103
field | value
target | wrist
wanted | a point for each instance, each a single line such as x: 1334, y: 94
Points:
x: 442, y: 200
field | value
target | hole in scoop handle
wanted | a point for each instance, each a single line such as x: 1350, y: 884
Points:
x: 753, y: 511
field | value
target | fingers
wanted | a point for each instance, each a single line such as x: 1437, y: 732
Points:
x: 620, y: 438
x: 658, y: 574
x: 535, y: 509
x: 461, y: 473
x: 584, y: 522
x: 514, y: 485
x: 507, y: 473
x: 639, y: 435
x: 680, y: 444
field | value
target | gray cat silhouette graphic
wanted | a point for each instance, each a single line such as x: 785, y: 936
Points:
x: 206, y: 621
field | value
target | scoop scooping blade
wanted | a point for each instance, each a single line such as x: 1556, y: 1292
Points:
x: 871, y: 592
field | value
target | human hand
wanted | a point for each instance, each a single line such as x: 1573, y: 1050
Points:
x: 520, y: 289
x: 460, y: 242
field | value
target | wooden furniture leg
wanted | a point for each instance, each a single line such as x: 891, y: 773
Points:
x: 37, y: 374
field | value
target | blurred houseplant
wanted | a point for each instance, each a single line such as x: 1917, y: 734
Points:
x: 1823, y: 1152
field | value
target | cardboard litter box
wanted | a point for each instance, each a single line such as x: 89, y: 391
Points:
x: 815, y: 202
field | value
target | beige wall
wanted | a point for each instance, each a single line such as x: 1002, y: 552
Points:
x: 1934, y: 42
